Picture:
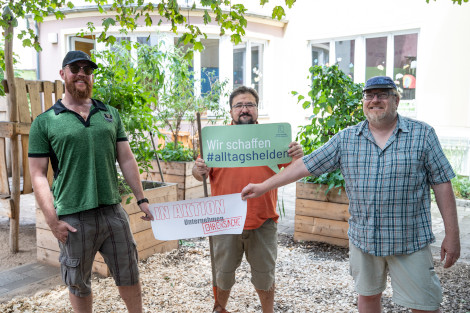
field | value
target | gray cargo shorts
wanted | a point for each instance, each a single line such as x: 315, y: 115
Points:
x: 105, y: 229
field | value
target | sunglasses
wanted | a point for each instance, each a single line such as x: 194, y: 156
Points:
x: 88, y: 70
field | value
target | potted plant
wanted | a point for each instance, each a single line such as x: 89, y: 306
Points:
x: 321, y: 202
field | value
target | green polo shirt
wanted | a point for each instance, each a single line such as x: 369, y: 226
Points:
x: 82, y: 153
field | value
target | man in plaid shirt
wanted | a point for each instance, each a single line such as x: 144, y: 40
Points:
x: 388, y: 162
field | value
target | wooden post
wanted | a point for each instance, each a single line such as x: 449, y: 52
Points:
x: 206, y: 194
x: 14, y: 142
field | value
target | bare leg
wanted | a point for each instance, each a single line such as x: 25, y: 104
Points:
x: 132, y: 296
x: 222, y: 298
x: 267, y: 299
x: 369, y: 304
x: 81, y: 304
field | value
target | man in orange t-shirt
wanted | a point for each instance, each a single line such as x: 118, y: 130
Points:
x: 259, y: 238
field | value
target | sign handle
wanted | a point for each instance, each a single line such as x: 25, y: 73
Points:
x: 156, y: 157
x: 204, y: 182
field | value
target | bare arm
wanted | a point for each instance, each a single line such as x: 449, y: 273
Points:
x: 42, y: 192
x: 290, y: 174
x: 450, y: 248
x: 130, y: 170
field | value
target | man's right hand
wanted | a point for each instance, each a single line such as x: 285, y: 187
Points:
x: 61, y: 229
x: 200, y: 168
x: 252, y: 191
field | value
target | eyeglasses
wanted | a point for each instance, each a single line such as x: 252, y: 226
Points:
x: 380, y: 95
x: 88, y: 70
x: 249, y: 106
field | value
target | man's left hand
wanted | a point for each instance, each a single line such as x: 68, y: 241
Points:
x: 145, y: 208
x: 450, y: 249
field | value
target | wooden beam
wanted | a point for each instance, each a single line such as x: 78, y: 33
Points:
x: 14, y: 142
x: 34, y: 97
x: 40, y: 84
x: 11, y: 129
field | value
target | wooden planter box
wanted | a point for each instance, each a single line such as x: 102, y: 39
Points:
x: 320, y: 217
x: 147, y: 245
x: 181, y: 174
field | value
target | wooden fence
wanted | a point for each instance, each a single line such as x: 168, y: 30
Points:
x: 30, y: 99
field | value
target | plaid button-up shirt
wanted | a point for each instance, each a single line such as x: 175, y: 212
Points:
x: 389, y: 188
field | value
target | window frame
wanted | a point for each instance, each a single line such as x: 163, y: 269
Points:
x: 407, y: 107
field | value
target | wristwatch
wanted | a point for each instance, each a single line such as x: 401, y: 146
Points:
x: 139, y: 202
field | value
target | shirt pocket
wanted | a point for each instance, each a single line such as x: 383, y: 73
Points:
x: 404, y: 171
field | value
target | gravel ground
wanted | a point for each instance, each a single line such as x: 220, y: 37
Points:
x: 310, y: 277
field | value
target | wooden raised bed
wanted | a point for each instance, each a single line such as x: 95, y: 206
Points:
x: 319, y: 216
x: 147, y: 245
x: 181, y: 174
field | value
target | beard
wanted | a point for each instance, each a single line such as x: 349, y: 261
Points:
x: 78, y: 93
x: 376, y: 118
x: 250, y: 120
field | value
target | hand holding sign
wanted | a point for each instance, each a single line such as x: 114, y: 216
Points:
x: 247, y: 145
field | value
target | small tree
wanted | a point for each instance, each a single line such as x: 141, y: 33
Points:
x: 335, y: 101
x: 118, y: 84
x: 154, y: 90
x: 176, y: 102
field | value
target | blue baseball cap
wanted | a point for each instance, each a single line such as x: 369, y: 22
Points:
x: 380, y: 82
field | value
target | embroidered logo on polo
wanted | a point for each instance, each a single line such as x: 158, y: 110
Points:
x: 108, y: 117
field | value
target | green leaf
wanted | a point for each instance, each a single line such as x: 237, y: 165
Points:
x: 108, y: 22
x: 207, y: 17
x: 198, y: 46
x: 278, y: 13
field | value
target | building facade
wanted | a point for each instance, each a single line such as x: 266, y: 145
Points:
x: 423, y: 46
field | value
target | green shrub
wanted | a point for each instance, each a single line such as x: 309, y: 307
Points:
x: 461, y: 185
x: 170, y: 152
x: 335, y: 102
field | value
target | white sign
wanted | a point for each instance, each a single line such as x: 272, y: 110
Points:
x: 198, y: 217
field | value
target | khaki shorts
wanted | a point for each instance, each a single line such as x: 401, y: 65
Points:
x: 106, y: 230
x: 260, y: 248
x: 414, y: 281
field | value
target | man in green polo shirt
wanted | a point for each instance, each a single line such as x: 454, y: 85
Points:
x: 83, y: 138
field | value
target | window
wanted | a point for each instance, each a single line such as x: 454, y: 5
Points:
x: 151, y: 40
x: 257, y: 67
x: 321, y: 53
x: 344, y: 50
x: 362, y: 57
x: 248, y: 67
x: 85, y: 43
x: 376, y: 57
x: 239, y: 66
x: 209, y: 63
x: 404, y: 65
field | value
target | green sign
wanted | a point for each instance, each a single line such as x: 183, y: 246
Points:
x: 247, y: 145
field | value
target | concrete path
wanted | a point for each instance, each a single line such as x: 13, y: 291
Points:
x: 29, y: 278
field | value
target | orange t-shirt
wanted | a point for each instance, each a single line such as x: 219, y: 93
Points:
x: 230, y: 180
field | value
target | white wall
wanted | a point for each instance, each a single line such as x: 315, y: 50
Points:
x: 443, y: 79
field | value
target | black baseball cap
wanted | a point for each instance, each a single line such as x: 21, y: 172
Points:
x: 380, y: 82
x: 77, y: 55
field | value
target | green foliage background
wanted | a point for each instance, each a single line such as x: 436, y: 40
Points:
x: 335, y: 102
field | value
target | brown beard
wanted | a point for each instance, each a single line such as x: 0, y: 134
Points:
x: 241, y: 122
x: 78, y: 94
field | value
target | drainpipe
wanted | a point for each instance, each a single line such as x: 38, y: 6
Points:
x: 38, y: 67
x: 36, y: 32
